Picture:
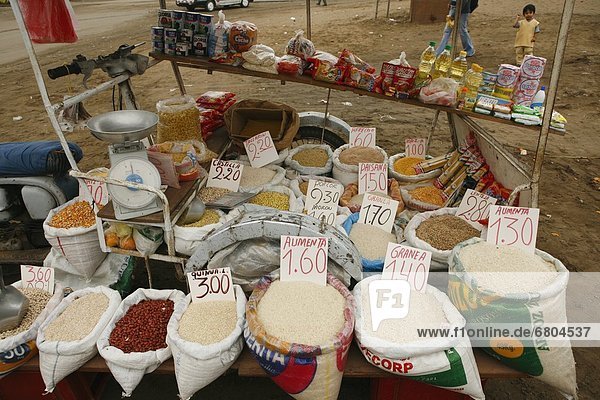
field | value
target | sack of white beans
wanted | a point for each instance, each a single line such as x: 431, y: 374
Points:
x: 129, y: 368
x: 200, y: 361
x: 496, y: 285
x: 67, y: 338
x: 304, y: 371
x: 396, y: 346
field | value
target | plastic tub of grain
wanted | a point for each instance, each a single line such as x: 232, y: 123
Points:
x: 256, y: 179
x: 299, y: 185
x: 67, y: 338
x: 371, y: 242
x: 279, y: 197
x: 305, y: 322
x: 495, y: 285
x: 396, y: 346
x: 422, y: 197
x: 311, y: 159
x: 346, y: 160
x: 206, y: 339
x: 402, y: 169
x: 351, y: 199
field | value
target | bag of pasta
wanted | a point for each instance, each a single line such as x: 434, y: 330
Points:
x: 177, y: 119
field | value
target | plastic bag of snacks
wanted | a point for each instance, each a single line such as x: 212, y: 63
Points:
x: 347, y: 59
x: 447, y: 363
x: 300, y: 46
x: 187, y: 237
x: 441, y: 91
x: 290, y: 65
x: 218, y: 37
x: 198, y: 364
x: 211, y: 99
x: 133, y: 343
x: 71, y: 230
x: 306, y: 372
x: 67, y: 338
x: 242, y: 36
x: 311, y: 159
x: 502, y: 284
x: 177, y: 119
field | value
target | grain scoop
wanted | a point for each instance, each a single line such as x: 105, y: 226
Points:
x: 13, y: 306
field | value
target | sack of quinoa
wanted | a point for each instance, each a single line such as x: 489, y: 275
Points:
x: 495, y: 285
x: 311, y: 159
x: 134, y: 341
x: 67, y: 338
x: 396, y: 346
x: 300, y: 333
x: 206, y: 339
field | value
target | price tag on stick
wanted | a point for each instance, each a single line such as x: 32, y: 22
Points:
x: 415, y: 147
x: 225, y: 175
x: 475, y: 207
x: 372, y: 177
x: 322, y: 200
x: 409, y: 264
x: 96, y: 192
x: 211, y: 285
x: 360, y: 136
x: 37, y: 278
x: 378, y: 211
x: 513, y: 226
x: 303, y: 259
x: 261, y: 150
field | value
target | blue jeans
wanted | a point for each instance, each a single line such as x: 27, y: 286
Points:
x: 465, y: 38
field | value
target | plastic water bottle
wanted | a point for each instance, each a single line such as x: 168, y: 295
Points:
x: 427, y: 61
x: 459, y: 67
x: 539, y: 98
x: 442, y: 63
x: 473, y: 79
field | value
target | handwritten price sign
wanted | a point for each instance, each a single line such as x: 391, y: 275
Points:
x: 372, y: 177
x: 225, y: 175
x: 475, y: 207
x: 303, y: 259
x: 37, y: 278
x: 409, y: 264
x: 513, y: 226
x: 261, y: 150
x: 415, y: 147
x: 211, y: 285
x: 378, y: 211
x: 322, y: 200
x: 360, y: 136
x: 96, y: 192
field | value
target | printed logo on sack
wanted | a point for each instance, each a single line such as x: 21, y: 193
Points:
x: 529, y: 87
x: 241, y: 39
x: 533, y: 67
x: 12, y: 359
x: 507, y: 77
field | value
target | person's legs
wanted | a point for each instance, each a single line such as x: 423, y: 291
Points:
x: 465, y: 38
x: 527, y: 51
x: 444, y: 41
x: 519, y: 51
x: 324, y: 2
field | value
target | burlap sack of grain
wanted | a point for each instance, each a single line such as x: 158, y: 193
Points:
x: 197, y: 365
x: 304, y: 372
x: 58, y: 359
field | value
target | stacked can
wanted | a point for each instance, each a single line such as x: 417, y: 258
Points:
x: 170, y: 41
x: 488, y: 83
x: 506, y: 81
x: 158, y: 39
x: 532, y: 69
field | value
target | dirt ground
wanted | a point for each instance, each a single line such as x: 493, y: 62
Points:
x: 569, y: 199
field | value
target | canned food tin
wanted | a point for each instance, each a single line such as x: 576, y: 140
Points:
x: 192, y: 17
x: 170, y: 48
x: 186, y: 35
x: 194, y: 26
x: 170, y: 34
x: 205, y: 19
x: 177, y: 17
x: 158, y: 33
x: 205, y: 22
x: 199, y: 44
x: 158, y: 46
x: 182, y: 49
x: 164, y: 18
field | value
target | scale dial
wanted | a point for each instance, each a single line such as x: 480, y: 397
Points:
x: 134, y: 170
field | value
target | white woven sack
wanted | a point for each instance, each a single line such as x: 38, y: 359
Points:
x: 196, y: 365
x: 303, y: 170
x: 345, y: 173
x: 295, y: 183
x: 426, y: 357
x: 80, y: 246
x: 129, y: 368
x: 296, y: 204
x: 411, y: 178
x: 275, y: 181
x: 58, y: 358
x: 416, y: 204
x: 187, y: 238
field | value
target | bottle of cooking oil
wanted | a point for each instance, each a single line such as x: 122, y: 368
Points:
x: 473, y: 79
x: 427, y: 60
x: 459, y: 67
x: 442, y: 63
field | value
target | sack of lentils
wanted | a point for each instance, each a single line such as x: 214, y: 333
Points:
x: 71, y: 230
x: 300, y: 333
x: 311, y: 159
x: 134, y: 341
x: 279, y: 197
x: 206, y: 339
x: 188, y: 236
x: 67, y: 338
x: 17, y: 346
x: 346, y: 160
x: 505, y: 285
x: 371, y: 242
x: 402, y: 169
x: 438, y: 232
x: 255, y: 179
x: 396, y: 346
x: 299, y: 185
x: 351, y: 199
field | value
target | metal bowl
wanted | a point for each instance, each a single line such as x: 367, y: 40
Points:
x: 123, y: 126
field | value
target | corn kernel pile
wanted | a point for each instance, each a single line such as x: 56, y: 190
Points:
x: 76, y: 215
x: 406, y: 165
x: 209, y: 217
x: 272, y: 199
x: 428, y: 194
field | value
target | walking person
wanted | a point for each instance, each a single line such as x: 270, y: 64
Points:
x: 324, y: 2
x: 468, y: 6
x: 527, y: 28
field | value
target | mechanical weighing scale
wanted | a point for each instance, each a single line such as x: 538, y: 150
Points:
x: 124, y: 130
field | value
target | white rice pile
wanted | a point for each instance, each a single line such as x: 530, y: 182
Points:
x: 505, y: 269
x: 302, y: 312
x: 371, y: 242
x: 252, y: 177
x: 208, y: 322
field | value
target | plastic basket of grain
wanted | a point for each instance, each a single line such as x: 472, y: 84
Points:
x: 419, y: 205
x: 400, y: 177
x: 345, y: 169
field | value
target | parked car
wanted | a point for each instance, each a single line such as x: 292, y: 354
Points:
x: 211, y: 5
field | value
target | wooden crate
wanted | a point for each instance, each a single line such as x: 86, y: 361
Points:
x: 428, y: 11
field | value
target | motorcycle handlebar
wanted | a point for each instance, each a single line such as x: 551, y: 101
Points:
x: 64, y: 70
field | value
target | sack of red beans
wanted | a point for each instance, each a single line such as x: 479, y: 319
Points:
x: 134, y: 342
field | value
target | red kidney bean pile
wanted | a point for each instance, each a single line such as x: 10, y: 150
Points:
x: 143, y: 327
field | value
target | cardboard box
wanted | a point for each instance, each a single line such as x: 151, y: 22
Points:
x: 247, y: 122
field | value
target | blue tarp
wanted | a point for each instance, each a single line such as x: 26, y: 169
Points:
x: 30, y: 158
